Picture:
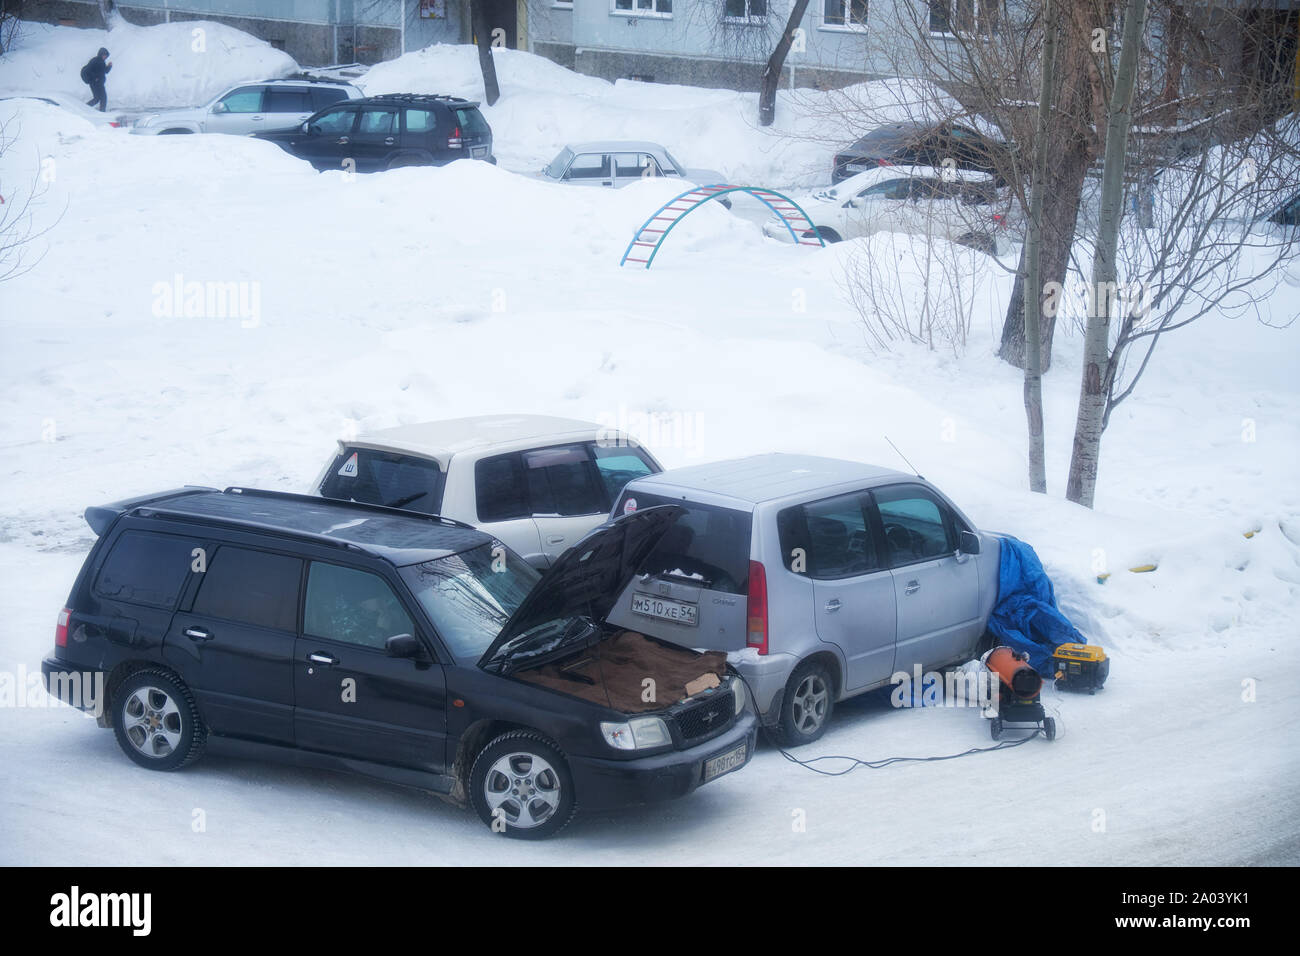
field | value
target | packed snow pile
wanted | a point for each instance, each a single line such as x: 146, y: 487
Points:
x: 170, y: 64
x: 544, y: 107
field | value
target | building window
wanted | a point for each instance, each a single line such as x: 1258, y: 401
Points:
x: 744, y: 10
x: 971, y: 17
x: 644, y: 8
x: 846, y: 14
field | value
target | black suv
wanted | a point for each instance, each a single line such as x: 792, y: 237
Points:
x: 411, y: 648
x: 384, y: 132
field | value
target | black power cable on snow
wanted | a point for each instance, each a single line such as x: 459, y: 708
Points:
x: 885, y: 761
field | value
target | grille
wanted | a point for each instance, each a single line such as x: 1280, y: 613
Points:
x: 708, y: 717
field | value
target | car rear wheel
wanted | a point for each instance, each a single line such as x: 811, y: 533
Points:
x: 156, y: 721
x: 520, y: 785
x: 806, y: 705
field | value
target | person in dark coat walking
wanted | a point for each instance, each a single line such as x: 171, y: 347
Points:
x: 94, y: 73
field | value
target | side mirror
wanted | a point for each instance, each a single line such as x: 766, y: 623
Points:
x: 969, y: 543
x: 857, y: 202
x: 306, y: 127
x: 220, y: 108
x: 402, y: 645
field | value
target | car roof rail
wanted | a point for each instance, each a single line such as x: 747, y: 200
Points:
x: 304, y: 78
x: 358, y: 505
x: 445, y: 98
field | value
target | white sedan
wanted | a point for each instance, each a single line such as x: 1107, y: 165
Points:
x: 616, y: 163
x: 961, y: 205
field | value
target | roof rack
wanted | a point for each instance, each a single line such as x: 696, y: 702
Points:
x: 304, y: 78
x: 422, y: 98
x: 359, y: 505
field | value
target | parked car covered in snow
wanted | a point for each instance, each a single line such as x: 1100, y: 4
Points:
x: 616, y: 163
x: 537, y: 482
x: 250, y: 108
x: 959, y: 205
x: 77, y: 107
x: 237, y: 621
x: 821, y: 578
x: 922, y: 144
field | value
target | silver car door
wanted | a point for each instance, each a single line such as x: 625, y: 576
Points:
x: 238, y: 112
x: 936, y: 588
x: 853, y: 591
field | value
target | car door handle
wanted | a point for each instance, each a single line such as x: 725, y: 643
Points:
x: 912, y: 587
x: 389, y: 141
x: 608, y: 182
x: 343, y: 140
x: 319, y: 658
x: 833, y: 604
x: 198, y: 634
x: 555, y: 539
x: 256, y: 119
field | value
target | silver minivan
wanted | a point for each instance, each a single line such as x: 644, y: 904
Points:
x: 820, y: 577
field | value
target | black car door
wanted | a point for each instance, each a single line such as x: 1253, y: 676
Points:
x: 328, y: 139
x: 351, y: 697
x: 375, y: 138
x: 232, y: 640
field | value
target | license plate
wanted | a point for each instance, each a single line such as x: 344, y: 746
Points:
x: 725, y: 763
x: 478, y: 152
x: 856, y: 168
x: 665, y: 609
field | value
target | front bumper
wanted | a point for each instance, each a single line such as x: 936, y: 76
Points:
x: 775, y: 229
x: 606, y: 784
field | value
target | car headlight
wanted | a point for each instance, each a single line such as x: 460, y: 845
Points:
x: 738, y: 688
x: 639, y: 733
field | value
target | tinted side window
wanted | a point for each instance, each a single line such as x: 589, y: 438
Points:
x: 288, y: 100
x: 564, y: 481
x: 337, y: 122
x: 377, y: 123
x: 499, y: 488
x: 832, y: 537
x: 421, y: 121
x: 246, y: 99
x: 356, y: 607
x: 146, y: 568
x: 619, y: 464
x: 251, y: 587
x: 917, y: 526
x: 322, y: 97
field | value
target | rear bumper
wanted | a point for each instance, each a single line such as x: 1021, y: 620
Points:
x: 766, y: 676
x: 606, y: 784
x: 79, y: 687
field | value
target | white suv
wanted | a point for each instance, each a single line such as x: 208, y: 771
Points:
x: 536, y: 482
x: 251, y: 108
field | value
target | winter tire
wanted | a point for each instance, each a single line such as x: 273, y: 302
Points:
x: 806, y: 705
x: 156, y: 721
x: 520, y: 785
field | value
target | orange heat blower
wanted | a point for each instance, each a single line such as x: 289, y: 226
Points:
x: 1019, y: 686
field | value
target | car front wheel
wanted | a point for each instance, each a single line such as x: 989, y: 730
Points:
x: 520, y: 785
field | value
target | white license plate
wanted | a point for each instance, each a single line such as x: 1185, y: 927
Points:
x: 725, y: 763
x: 665, y: 609
x: 478, y: 152
x: 856, y: 168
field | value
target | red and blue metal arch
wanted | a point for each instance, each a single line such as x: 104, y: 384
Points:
x: 668, y: 215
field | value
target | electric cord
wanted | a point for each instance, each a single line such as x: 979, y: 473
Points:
x: 856, y: 762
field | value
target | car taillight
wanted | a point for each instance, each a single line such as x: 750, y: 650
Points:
x: 453, y: 141
x: 61, y: 629
x: 883, y: 162
x: 756, y: 608
x: 999, y: 220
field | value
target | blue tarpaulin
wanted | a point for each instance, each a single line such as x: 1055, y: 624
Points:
x: 1026, y: 617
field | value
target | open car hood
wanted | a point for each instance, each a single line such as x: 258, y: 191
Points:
x: 583, y: 585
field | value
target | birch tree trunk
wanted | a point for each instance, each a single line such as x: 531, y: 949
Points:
x: 483, y: 37
x: 1095, y: 385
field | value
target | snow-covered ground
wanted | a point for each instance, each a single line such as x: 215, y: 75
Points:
x: 428, y: 293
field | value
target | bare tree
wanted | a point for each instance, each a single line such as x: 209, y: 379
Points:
x: 483, y: 38
x: 776, y: 64
x: 18, y: 204
x: 10, y: 23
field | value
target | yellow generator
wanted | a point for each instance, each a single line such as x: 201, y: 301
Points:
x: 1080, y: 667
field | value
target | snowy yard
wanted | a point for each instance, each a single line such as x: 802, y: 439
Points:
x: 430, y: 293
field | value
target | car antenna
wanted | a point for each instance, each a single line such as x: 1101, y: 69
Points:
x: 904, y: 457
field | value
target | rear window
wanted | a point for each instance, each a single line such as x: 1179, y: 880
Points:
x: 146, y: 568
x: 583, y: 478
x: 385, y: 478
x: 471, y: 121
x: 708, y: 545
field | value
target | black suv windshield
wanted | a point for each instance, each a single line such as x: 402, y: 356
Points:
x: 470, y: 595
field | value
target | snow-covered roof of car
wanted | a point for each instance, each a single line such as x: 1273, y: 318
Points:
x: 860, y: 181
x: 442, y: 439
x: 767, y: 477
x: 616, y: 146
